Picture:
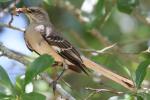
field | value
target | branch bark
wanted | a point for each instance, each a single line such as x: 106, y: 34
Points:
x: 11, y: 27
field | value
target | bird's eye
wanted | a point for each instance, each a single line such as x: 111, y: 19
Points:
x: 31, y: 10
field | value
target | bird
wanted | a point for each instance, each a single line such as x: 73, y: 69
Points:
x: 42, y: 37
x: 41, y: 29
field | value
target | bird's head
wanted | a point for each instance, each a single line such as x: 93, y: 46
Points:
x: 35, y: 14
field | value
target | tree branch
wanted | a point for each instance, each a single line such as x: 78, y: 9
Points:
x: 97, y: 52
x: 105, y: 90
x: 13, y: 55
x: 11, y: 27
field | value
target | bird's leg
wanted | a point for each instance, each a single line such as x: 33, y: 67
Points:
x: 65, y: 67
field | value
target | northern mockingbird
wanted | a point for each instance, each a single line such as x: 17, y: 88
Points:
x: 41, y: 30
x: 42, y: 37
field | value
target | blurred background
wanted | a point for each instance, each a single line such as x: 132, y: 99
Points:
x: 90, y: 25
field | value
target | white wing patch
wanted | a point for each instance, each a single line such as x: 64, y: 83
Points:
x: 40, y: 28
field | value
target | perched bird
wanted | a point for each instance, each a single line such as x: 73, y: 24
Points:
x: 42, y: 37
x: 41, y: 30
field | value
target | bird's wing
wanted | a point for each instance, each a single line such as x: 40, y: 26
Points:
x: 62, y: 45
x: 66, y: 50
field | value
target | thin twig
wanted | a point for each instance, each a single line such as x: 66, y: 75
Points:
x: 13, y: 55
x: 97, y: 52
x: 105, y: 90
x: 11, y: 27
x: 94, y: 91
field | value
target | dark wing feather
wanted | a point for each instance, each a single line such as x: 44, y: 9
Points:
x: 70, y: 58
x: 67, y: 50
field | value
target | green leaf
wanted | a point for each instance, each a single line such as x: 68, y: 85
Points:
x: 127, y: 6
x: 37, y: 66
x: 5, y: 0
x: 141, y: 72
x: 33, y: 96
x: 4, y: 79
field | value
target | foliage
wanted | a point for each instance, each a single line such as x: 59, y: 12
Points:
x: 141, y: 72
x: 17, y: 90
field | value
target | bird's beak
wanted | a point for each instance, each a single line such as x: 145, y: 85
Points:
x: 21, y: 10
x: 24, y: 10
